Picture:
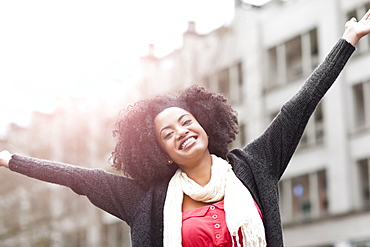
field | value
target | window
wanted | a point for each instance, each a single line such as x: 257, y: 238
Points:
x: 301, y: 197
x: 363, y: 167
x: 240, y: 81
x: 314, y: 49
x: 228, y: 81
x: 358, y: 91
x: 318, y: 119
x: 304, y: 197
x: 224, y: 82
x: 361, y: 98
x: 293, y: 59
x: 242, y: 135
x: 322, y: 190
x: 314, y: 133
x: 273, y: 69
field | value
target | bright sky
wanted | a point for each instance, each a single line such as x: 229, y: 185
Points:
x: 51, y: 48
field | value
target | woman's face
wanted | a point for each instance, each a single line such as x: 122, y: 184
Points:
x: 181, y: 136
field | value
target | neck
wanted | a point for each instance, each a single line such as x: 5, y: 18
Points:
x: 200, y: 172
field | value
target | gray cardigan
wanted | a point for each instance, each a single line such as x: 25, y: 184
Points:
x: 259, y: 165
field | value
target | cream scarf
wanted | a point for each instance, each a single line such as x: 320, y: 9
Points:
x: 240, y: 210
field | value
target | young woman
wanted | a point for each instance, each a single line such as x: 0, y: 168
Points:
x: 182, y: 187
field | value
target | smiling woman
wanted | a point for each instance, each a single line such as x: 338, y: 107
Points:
x: 182, y: 186
x: 157, y: 120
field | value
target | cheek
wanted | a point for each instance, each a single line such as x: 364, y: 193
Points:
x: 203, y: 132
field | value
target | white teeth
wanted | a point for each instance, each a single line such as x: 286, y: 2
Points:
x: 191, y: 139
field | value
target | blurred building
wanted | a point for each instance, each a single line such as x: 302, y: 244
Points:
x: 259, y: 61
x: 38, y: 214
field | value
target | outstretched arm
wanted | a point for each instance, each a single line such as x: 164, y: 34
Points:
x: 355, y: 30
x: 112, y: 193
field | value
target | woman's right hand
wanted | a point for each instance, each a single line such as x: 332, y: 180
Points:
x: 5, y: 156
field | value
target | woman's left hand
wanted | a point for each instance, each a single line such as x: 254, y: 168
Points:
x: 355, y: 30
x: 5, y: 156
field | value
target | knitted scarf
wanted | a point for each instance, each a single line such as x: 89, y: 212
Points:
x: 240, y: 210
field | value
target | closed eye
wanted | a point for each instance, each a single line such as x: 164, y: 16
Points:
x: 168, y: 135
x: 186, y: 122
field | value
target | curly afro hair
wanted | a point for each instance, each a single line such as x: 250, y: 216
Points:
x: 137, y: 153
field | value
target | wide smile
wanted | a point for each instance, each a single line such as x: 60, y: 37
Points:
x: 188, y: 142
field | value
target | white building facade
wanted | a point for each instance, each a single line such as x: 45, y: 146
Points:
x: 259, y: 61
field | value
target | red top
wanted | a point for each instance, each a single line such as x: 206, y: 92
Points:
x: 206, y: 226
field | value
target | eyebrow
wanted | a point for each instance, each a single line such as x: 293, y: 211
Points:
x: 178, y: 120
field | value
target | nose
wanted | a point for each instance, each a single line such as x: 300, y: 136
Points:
x: 182, y: 132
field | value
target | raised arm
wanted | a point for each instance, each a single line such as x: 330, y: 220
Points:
x: 275, y: 147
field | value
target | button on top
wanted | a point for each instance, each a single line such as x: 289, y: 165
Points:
x: 212, y: 207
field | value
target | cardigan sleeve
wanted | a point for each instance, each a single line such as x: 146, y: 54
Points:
x: 275, y: 147
x: 112, y: 193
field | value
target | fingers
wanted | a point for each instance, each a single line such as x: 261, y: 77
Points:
x: 355, y: 30
x: 366, y: 16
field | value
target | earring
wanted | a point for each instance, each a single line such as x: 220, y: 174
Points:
x: 169, y: 162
